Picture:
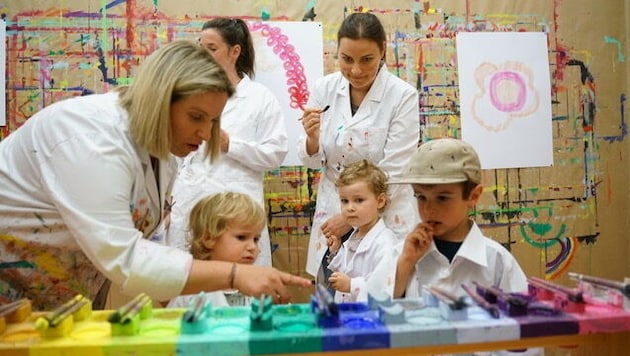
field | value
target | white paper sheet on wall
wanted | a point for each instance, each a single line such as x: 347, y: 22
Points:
x: 289, y: 58
x: 505, y: 97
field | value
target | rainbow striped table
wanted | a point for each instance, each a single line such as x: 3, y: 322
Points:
x: 297, y: 329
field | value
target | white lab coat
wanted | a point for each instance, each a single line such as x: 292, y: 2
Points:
x: 369, y: 266
x: 258, y: 142
x: 79, y: 203
x: 385, y: 130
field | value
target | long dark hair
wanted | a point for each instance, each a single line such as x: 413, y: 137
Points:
x: 363, y: 25
x: 235, y: 32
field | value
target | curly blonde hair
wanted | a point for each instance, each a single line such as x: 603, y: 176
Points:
x: 214, y: 214
x: 368, y: 172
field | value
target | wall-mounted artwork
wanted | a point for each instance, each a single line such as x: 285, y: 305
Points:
x: 288, y: 61
x: 505, y: 97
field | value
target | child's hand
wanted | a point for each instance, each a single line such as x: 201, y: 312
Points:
x: 417, y: 243
x: 340, y: 281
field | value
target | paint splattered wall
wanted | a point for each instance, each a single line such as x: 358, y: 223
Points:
x: 572, y: 216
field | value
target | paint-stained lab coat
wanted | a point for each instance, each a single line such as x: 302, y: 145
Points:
x: 385, y: 130
x: 79, y: 204
x: 258, y: 142
x: 369, y: 267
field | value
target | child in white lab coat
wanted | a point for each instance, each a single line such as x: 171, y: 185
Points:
x: 224, y: 227
x: 362, y: 188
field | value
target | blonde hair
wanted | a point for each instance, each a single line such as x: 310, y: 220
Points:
x: 212, y: 215
x: 175, y: 71
x: 364, y: 171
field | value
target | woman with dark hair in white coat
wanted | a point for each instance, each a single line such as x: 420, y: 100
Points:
x: 373, y: 115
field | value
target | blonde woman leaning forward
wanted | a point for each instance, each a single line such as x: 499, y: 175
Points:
x: 84, y: 187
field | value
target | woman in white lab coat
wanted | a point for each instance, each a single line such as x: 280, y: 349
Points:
x: 253, y: 135
x: 373, y: 115
x: 85, y: 182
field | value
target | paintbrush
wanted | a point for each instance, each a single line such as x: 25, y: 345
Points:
x: 198, y: 306
x: 58, y: 315
x: 125, y: 313
x: 9, y: 308
x: 326, y: 301
x: 490, y: 308
x: 513, y: 299
x: 572, y: 294
x: 452, y: 301
x: 602, y: 282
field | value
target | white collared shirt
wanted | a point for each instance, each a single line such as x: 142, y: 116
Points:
x: 479, y: 259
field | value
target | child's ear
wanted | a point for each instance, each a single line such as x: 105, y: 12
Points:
x: 475, y: 194
x: 381, y: 200
x: 208, y: 242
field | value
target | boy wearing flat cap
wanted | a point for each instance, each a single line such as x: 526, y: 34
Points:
x: 447, y: 249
